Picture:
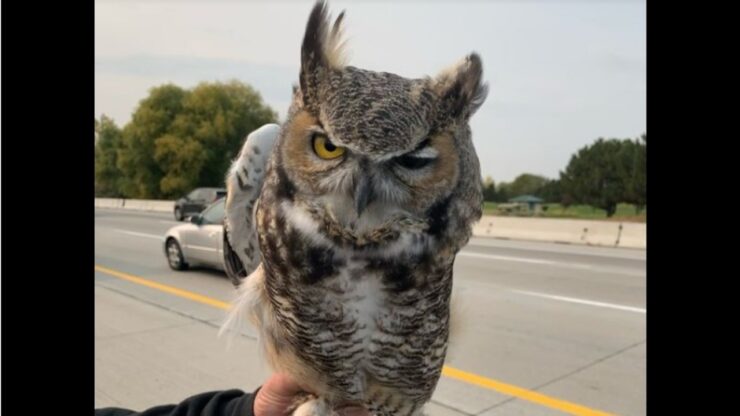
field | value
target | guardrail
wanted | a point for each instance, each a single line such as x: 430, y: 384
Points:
x: 596, y: 233
x: 561, y: 230
x: 136, y: 204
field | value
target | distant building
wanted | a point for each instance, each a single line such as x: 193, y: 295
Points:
x: 531, y: 202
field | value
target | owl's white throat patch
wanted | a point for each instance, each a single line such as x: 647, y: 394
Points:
x: 410, y: 238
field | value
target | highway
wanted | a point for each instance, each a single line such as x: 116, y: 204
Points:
x: 541, y: 329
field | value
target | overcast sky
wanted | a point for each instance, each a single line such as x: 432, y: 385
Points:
x: 561, y: 73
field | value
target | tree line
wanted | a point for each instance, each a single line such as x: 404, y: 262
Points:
x: 177, y: 139
x: 602, y: 174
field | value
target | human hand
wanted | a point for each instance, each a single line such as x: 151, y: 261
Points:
x: 278, y: 396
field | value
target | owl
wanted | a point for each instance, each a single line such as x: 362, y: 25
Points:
x: 343, y: 224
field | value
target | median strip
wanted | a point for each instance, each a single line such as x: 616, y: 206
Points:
x: 447, y: 371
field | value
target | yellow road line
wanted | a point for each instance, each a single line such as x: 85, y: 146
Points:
x: 447, y: 371
x: 520, y: 393
x: 164, y: 288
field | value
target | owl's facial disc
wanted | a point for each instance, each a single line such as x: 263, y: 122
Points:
x: 365, y: 189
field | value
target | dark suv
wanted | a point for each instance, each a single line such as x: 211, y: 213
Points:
x: 196, y: 201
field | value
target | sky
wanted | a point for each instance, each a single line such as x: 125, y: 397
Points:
x: 561, y: 73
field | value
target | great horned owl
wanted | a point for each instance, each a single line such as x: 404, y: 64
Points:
x: 349, y: 236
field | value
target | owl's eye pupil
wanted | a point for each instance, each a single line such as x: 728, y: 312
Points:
x: 325, y: 149
x: 412, y: 162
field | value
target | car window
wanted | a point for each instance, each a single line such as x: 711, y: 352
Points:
x: 195, y: 194
x: 214, y: 214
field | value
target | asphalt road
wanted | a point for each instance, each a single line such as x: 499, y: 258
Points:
x: 543, y: 329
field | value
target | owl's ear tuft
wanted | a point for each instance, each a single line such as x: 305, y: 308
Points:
x: 323, y: 49
x: 461, y: 89
x: 297, y: 95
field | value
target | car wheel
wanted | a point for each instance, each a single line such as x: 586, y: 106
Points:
x: 178, y: 214
x: 174, y: 255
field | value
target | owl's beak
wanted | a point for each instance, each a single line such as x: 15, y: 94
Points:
x: 364, y: 194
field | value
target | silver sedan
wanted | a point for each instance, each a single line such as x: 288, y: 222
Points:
x: 199, y: 242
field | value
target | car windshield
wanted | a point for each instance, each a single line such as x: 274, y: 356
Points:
x: 215, y: 213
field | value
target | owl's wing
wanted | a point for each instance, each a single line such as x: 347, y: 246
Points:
x: 243, y: 185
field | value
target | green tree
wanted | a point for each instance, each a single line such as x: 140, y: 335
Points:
x: 489, y: 189
x: 526, y: 184
x: 152, y: 119
x: 107, y: 143
x: 503, y: 193
x: 598, y: 175
x: 180, y: 139
x: 637, y: 185
x: 631, y: 165
x: 551, y: 191
x: 181, y: 160
x: 218, y: 116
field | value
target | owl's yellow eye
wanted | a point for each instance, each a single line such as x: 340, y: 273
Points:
x: 326, y: 149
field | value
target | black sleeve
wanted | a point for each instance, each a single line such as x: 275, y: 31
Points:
x: 215, y: 403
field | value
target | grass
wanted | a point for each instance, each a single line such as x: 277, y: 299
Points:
x: 625, y: 212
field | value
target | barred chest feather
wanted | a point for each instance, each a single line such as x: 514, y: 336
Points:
x: 370, y: 323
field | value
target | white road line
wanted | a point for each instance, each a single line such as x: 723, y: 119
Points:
x: 581, y: 301
x: 551, y: 263
x: 158, y: 237
x: 505, y: 258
